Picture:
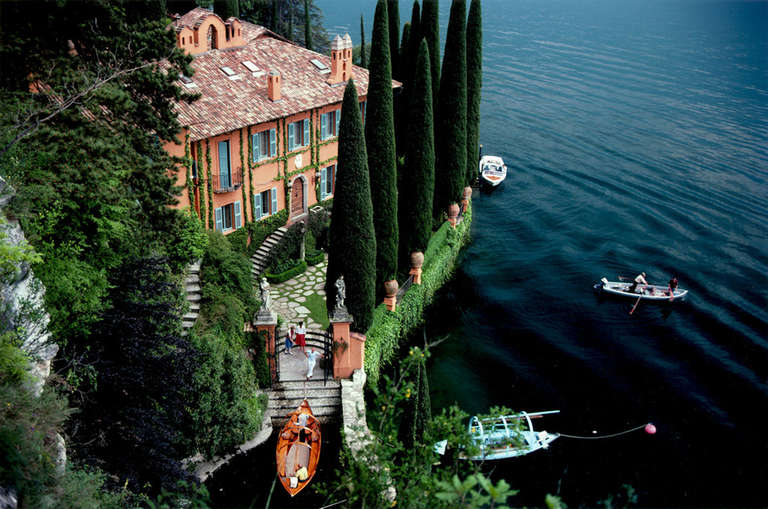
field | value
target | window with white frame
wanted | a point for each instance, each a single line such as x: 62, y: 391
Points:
x: 329, y: 124
x: 264, y: 145
x: 327, y: 181
x: 265, y: 203
x: 298, y: 134
x: 228, y: 217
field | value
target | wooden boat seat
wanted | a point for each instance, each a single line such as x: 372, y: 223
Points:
x: 297, y: 457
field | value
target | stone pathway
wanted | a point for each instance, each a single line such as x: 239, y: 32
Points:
x: 289, y: 297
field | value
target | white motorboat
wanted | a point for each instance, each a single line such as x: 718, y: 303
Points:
x: 508, y: 436
x: 493, y: 171
x: 644, y: 292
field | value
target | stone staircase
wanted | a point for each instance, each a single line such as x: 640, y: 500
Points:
x: 324, y: 399
x: 259, y: 258
x: 192, y: 287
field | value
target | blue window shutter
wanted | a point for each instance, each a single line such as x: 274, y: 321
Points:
x: 255, y: 149
x: 332, y: 178
x: 256, y: 206
x: 324, y: 126
x: 272, y: 143
x: 274, y: 200
x: 291, y: 136
x: 337, y: 114
x: 219, y: 224
x: 306, y: 131
x: 237, y: 215
x: 224, y: 164
x: 323, y: 180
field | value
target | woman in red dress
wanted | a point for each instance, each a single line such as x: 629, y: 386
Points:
x: 300, y: 335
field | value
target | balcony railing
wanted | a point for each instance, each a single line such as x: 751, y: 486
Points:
x: 224, y: 183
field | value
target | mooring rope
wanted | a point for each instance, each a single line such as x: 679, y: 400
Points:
x: 605, y: 436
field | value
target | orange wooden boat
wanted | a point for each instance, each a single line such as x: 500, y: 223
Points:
x: 298, y: 449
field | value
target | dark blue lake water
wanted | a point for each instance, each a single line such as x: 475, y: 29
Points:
x: 636, y: 133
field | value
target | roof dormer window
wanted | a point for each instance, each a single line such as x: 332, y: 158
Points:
x: 212, y: 41
x: 250, y: 66
x: 228, y: 71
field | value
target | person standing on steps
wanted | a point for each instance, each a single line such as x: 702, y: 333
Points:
x: 312, y: 357
x: 301, y: 333
x: 290, y: 340
x: 639, y: 279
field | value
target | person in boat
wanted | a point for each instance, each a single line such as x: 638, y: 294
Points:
x: 639, y: 279
x: 672, y: 286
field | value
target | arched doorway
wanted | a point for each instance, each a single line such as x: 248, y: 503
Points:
x: 298, y: 197
x: 212, y: 42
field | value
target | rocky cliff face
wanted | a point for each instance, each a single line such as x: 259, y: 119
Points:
x: 21, y: 303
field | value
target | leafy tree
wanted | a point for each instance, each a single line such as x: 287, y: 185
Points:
x: 451, y: 120
x: 419, y: 175
x: 430, y: 30
x: 363, y: 51
x: 474, y: 86
x: 352, y: 241
x: 393, y: 15
x: 277, y: 15
x: 380, y: 142
x: 135, y: 419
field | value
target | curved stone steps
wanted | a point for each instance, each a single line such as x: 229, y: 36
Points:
x: 259, y: 257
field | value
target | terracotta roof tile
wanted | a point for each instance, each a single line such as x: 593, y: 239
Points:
x: 226, y: 104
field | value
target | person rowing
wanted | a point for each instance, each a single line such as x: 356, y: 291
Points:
x: 640, y: 278
x: 672, y: 287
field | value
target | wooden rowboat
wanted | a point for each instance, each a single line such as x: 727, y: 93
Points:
x: 298, y: 449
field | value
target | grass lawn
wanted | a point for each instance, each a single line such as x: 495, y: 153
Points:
x: 316, y: 305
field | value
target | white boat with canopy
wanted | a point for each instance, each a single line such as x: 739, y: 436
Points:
x: 493, y: 171
x: 508, y: 436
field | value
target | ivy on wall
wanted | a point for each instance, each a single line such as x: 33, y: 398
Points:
x: 187, y: 165
x: 208, y: 163
x: 245, y: 207
x: 200, y: 180
x: 250, y: 172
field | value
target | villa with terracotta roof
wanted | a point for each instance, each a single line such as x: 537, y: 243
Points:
x: 262, y: 137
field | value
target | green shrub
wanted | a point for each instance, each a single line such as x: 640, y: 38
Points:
x: 262, y: 229
x: 314, y: 257
x: 317, y: 229
x: 388, y: 329
x: 296, y: 267
x: 229, y: 270
x: 225, y: 409
x: 238, y: 239
x: 190, y: 242
x: 287, y: 248
x: 256, y: 341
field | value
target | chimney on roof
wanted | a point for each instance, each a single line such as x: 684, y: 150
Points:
x: 274, y: 84
x: 341, y: 59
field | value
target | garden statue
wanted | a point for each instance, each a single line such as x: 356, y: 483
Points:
x: 266, y: 298
x: 340, y: 292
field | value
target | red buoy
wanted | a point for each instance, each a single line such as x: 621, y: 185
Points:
x: 650, y: 429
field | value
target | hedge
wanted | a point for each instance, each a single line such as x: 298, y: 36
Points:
x: 389, y: 328
x: 263, y: 228
x: 297, y: 269
x: 314, y: 257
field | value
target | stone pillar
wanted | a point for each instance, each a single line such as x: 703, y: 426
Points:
x: 266, y: 320
x: 340, y: 321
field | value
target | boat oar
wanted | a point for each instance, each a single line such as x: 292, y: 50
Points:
x: 635, y: 306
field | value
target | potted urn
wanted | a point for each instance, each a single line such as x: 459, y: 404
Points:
x: 453, y: 213
x: 390, y: 292
x: 417, y: 260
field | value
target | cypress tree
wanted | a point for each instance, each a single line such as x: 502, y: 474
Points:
x: 414, y: 42
x: 352, y: 243
x: 227, y: 8
x: 307, y: 26
x: 362, y: 44
x: 380, y: 140
x: 393, y: 13
x: 451, y: 121
x: 419, y: 174
x: 430, y: 30
x: 401, y: 101
x: 474, y: 85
